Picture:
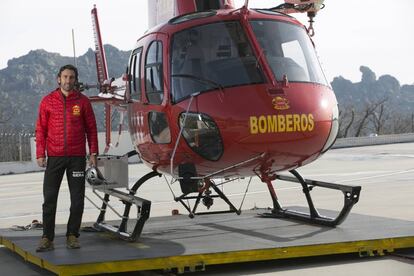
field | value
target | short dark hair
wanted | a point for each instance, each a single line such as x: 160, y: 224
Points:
x: 69, y: 67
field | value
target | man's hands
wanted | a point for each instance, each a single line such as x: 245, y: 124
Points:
x: 93, y: 160
x: 41, y: 161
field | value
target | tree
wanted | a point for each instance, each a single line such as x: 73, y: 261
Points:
x: 401, y: 124
x: 346, y: 119
x: 367, y: 112
x: 377, y: 119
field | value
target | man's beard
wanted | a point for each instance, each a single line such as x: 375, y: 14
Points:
x: 67, y: 86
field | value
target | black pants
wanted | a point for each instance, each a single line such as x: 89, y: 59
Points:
x: 75, y: 174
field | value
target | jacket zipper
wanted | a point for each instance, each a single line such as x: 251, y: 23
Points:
x: 64, y: 127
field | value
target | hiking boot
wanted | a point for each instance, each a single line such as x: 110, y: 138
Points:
x: 72, y: 242
x: 45, y: 245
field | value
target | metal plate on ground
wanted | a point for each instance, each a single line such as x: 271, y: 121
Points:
x: 180, y: 242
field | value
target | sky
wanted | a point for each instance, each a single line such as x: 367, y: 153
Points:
x: 375, y: 33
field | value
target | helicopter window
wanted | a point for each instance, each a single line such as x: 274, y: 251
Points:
x: 153, y: 73
x: 202, y: 135
x: 211, y: 57
x: 136, y: 74
x: 288, y: 51
x: 293, y: 51
x: 160, y: 131
x: 191, y: 16
x: 270, y: 12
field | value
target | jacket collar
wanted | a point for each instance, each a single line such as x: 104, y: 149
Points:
x: 72, y: 96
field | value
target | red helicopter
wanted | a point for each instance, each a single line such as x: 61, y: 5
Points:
x: 214, y: 92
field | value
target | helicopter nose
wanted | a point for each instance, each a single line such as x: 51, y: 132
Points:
x: 334, y: 129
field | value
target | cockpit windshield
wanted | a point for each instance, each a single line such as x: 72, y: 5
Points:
x: 288, y: 51
x: 210, y: 57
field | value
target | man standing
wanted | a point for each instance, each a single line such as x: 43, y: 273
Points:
x: 65, y: 121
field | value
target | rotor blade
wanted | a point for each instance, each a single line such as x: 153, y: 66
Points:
x: 101, y: 68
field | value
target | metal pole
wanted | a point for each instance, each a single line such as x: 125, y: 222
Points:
x: 412, y: 122
x: 20, y: 148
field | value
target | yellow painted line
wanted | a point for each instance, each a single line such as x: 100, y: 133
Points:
x: 189, y: 261
x: 27, y: 256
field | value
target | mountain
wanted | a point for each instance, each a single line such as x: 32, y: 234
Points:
x: 28, y: 78
x: 370, y: 90
x: 374, y: 105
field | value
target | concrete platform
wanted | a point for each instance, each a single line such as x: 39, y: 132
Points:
x: 185, y: 244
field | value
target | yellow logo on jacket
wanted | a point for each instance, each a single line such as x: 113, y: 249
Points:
x: 76, y: 110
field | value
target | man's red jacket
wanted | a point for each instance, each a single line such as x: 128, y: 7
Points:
x: 63, y: 125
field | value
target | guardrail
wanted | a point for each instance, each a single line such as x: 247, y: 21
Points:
x: 374, y: 140
x: 15, y: 146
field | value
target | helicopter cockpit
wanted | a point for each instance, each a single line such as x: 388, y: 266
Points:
x: 212, y: 56
x: 220, y: 55
x: 288, y: 51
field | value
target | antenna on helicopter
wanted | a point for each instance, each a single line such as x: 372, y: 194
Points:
x: 74, y: 48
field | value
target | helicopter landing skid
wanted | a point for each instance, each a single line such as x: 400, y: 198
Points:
x: 351, y: 197
x: 128, y: 199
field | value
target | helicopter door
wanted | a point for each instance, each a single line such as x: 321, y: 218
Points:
x: 134, y: 72
x: 156, y: 96
x: 154, y: 87
x: 135, y: 110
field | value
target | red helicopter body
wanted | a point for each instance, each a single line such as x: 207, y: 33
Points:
x: 216, y: 92
x: 271, y: 115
